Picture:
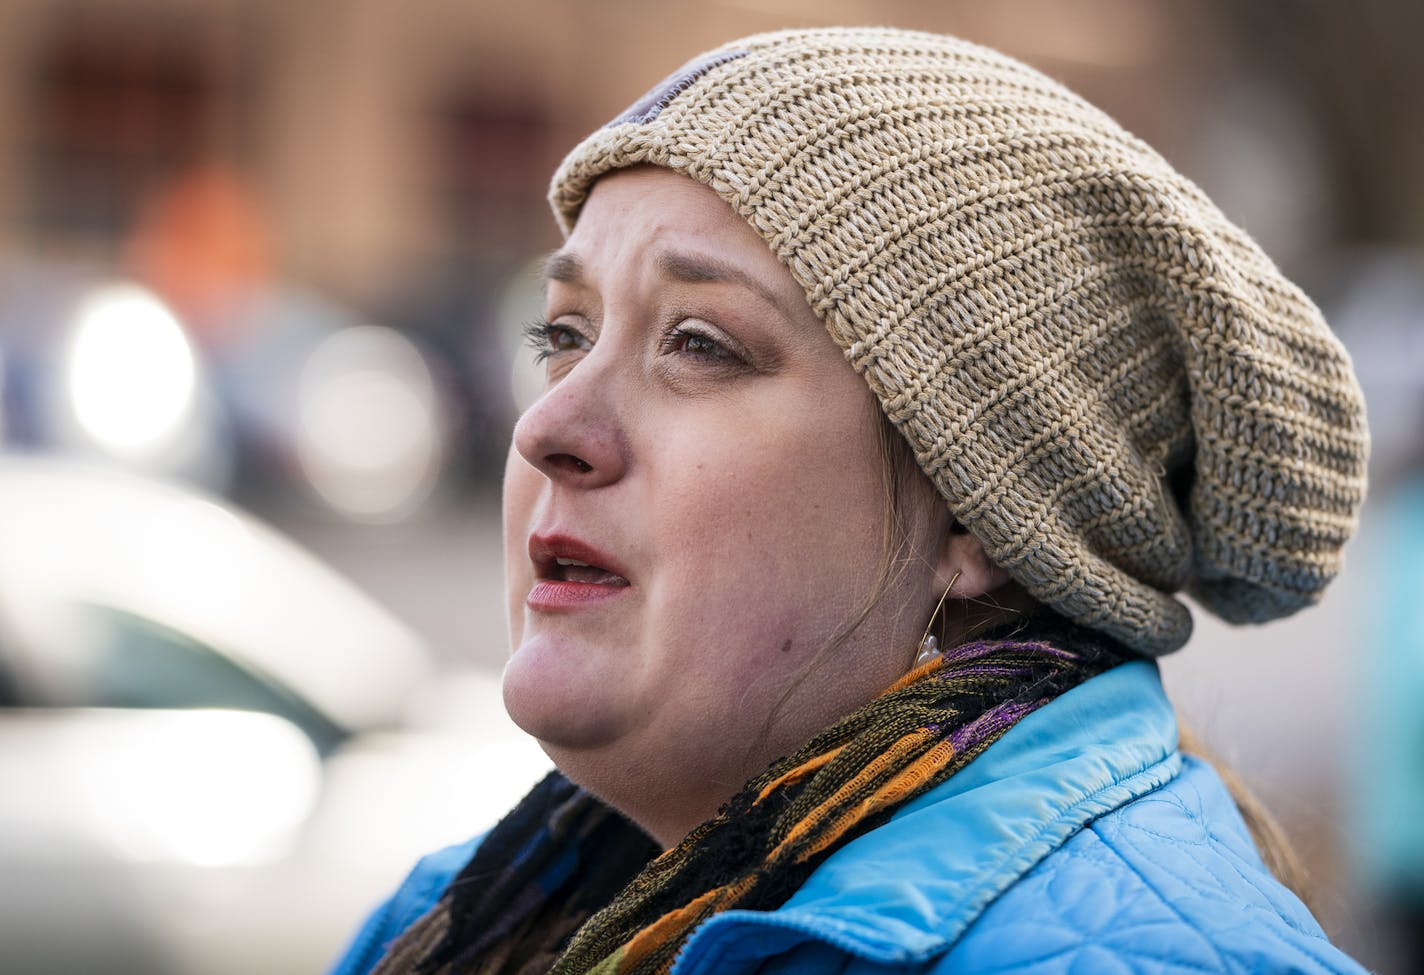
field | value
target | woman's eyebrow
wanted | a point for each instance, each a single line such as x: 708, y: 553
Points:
x: 701, y: 269
x: 563, y: 267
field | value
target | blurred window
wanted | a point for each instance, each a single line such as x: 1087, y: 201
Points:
x: 118, y: 106
x: 495, y: 154
x: 113, y: 116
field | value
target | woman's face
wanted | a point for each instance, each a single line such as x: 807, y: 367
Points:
x: 693, y: 509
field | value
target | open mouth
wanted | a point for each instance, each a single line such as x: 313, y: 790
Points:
x: 572, y: 570
x: 561, y: 558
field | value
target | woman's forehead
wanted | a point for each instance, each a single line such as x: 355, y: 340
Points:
x: 678, y: 229
x: 660, y: 202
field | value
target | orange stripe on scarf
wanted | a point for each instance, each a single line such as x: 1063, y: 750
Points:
x: 891, y: 757
x: 910, y: 778
x: 672, y: 924
x: 800, y: 771
x: 914, y: 675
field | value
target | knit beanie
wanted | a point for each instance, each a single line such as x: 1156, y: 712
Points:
x: 1111, y: 385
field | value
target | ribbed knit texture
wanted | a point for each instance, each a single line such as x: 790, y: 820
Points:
x: 546, y: 870
x: 1113, y: 388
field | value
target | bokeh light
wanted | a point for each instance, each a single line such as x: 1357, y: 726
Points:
x: 131, y: 374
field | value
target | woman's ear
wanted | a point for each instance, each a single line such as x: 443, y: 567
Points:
x: 963, y: 559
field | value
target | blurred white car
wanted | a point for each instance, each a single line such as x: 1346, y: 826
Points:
x: 216, y: 753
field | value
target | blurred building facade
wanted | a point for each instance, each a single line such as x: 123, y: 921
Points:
x: 386, y: 139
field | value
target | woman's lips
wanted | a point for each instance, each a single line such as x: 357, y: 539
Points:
x: 552, y: 595
x: 570, y: 573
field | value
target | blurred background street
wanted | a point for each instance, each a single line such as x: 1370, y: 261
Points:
x: 263, y: 271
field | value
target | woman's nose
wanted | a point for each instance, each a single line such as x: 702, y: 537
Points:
x: 572, y: 433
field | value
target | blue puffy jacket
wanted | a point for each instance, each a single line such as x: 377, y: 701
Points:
x: 1080, y: 842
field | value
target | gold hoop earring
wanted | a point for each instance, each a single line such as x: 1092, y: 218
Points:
x: 928, y: 650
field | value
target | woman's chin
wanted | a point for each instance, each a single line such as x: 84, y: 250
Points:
x: 558, y: 705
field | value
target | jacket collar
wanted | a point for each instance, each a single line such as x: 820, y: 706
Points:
x: 905, y: 891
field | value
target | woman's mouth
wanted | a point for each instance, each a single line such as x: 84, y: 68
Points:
x: 572, y: 570
x: 569, y: 573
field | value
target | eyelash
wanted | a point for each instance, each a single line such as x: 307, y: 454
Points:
x: 539, y: 335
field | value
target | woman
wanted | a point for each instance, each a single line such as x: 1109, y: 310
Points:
x: 1058, y: 387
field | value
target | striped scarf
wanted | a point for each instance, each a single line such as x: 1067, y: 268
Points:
x: 565, y: 885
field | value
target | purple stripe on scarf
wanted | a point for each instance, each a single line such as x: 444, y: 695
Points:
x: 990, y: 724
x: 982, y: 648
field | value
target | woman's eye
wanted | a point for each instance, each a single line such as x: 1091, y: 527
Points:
x: 551, y: 338
x: 699, y: 345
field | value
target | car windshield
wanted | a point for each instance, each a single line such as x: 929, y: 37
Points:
x: 135, y: 662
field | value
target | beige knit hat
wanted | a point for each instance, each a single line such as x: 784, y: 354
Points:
x: 1114, y: 389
